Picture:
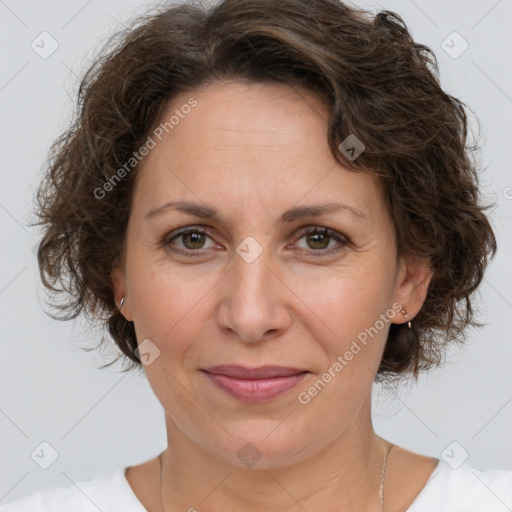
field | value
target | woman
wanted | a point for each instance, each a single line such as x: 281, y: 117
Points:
x: 271, y: 204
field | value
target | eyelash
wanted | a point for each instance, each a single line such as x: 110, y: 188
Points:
x: 309, y: 230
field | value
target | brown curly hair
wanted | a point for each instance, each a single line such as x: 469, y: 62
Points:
x: 378, y: 84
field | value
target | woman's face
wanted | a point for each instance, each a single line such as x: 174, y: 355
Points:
x: 252, y: 285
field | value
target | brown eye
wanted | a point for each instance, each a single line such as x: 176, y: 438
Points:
x: 189, y: 239
x: 193, y: 240
x: 322, y: 241
x: 318, y: 240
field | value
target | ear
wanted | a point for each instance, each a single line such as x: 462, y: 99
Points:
x: 120, y: 291
x: 413, y: 280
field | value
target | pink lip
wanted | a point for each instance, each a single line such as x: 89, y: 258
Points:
x: 254, y: 385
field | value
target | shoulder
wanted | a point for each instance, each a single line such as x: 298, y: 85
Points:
x: 109, y: 492
x: 465, y: 489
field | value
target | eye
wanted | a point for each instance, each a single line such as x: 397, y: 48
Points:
x: 318, y: 239
x: 192, y: 239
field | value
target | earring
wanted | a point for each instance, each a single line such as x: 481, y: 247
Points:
x: 409, y: 325
x: 121, y: 303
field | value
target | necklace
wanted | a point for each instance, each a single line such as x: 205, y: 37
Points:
x: 381, y: 490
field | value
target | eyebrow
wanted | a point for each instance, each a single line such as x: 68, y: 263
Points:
x: 299, y: 212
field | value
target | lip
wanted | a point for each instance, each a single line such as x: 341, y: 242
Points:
x: 254, y: 385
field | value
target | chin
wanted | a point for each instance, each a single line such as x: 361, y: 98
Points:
x: 259, y: 447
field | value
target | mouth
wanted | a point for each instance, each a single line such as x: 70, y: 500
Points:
x: 254, y: 385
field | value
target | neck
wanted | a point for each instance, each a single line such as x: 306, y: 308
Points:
x: 347, y: 472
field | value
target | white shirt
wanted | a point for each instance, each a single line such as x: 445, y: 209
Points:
x: 465, y: 489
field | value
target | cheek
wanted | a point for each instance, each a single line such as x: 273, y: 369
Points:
x: 348, y: 300
x: 351, y: 326
x: 169, y: 303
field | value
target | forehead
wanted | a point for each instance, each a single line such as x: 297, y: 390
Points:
x: 261, y: 144
x: 260, y: 118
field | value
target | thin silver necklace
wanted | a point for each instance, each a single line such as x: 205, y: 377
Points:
x: 381, y: 490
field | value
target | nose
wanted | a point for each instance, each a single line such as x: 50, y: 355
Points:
x: 254, y: 301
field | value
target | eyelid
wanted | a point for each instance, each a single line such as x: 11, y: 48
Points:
x: 313, y: 228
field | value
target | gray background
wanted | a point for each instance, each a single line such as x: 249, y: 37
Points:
x: 51, y: 391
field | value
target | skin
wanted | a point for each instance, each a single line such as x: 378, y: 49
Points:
x: 252, y: 151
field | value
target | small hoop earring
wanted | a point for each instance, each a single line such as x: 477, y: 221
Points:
x: 121, y: 303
